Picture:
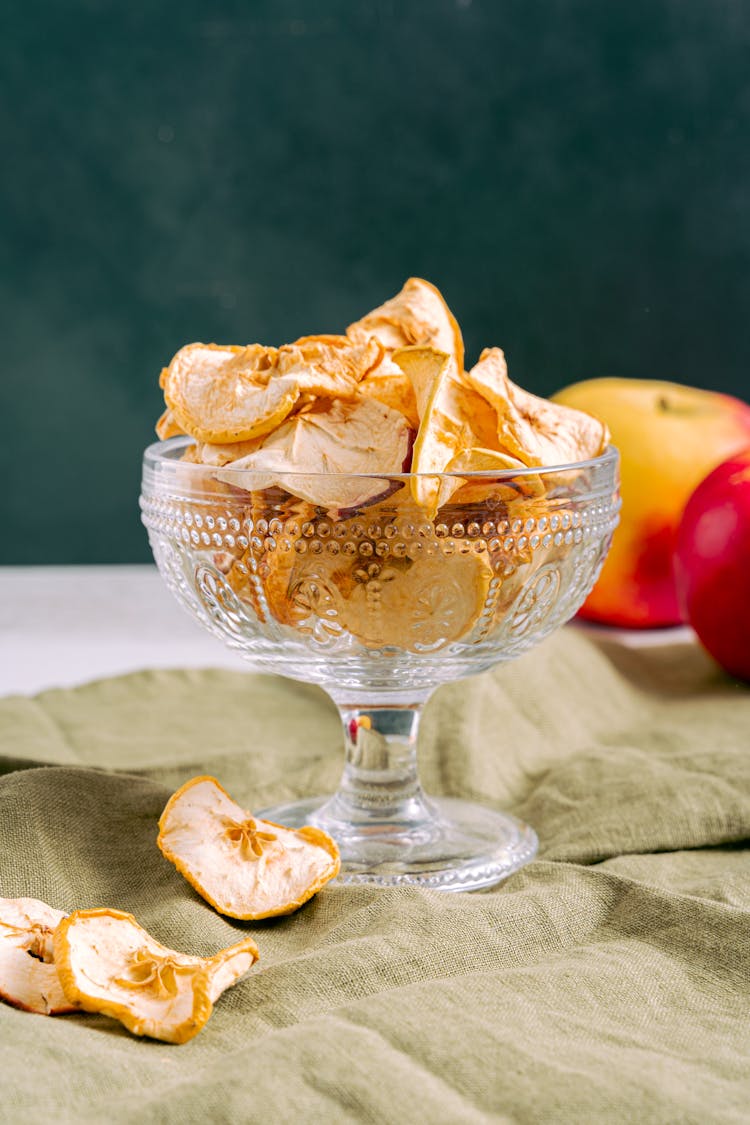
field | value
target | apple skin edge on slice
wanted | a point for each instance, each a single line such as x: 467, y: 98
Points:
x: 109, y: 964
x: 453, y: 419
x: 244, y: 867
x: 28, y: 974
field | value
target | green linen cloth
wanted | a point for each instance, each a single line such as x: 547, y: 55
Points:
x: 607, y: 982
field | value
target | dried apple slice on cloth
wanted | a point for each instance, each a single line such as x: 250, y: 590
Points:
x: 110, y: 964
x: 244, y: 867
x: 535, y: 430
x: 416, y: 315
x: 362, y: 437
x: 454, y: 418
x: 28, y: 974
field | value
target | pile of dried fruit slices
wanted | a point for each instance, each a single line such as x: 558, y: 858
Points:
x: 391, y: 396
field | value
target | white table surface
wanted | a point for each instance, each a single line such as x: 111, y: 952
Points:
x: 61, y: 626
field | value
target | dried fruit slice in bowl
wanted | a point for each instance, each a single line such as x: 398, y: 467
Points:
x: 110, y: 964
x: 220, y: 393
x: 244, y: 867
x: 28, y: 974
x: 453, y: 419
x: 324, y: 456
x: 389, y: 385
x: 535, y: 430
x: 417, y: 314
x: 328, y: 366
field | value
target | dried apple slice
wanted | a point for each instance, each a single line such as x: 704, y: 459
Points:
x: 389, y: 581
x: 221, y: 453
x: 346, y: 446
x: 390, y: 385
x: 416, y: 315
x: 110, y: 964
x: 420, y: 605
x: 167, y: 426
x: 454, y: 418
x: 535, y: 430
x: 506, y: 488
x: 328, y: 366
x: 229, y: 394
x: 28, y: 974
x: 478, y: 460
x: 244, y: 867
x: 226, y: 394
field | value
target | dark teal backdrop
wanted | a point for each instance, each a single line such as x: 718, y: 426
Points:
x: 574, y: 174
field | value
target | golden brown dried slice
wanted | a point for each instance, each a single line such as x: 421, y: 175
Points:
x: 415, y: 604
x: 416, y: 315
x: 246, y: 868
x: 503, y: 478
x: 328, y: 366
x: 535, y: 430
x: 221, y: 453
x: 227, y: 394
x: 390, y: 385
x: 387, y: 580
x: 167, y: 426
x: 454, y: 419
x: 478, y: 460
x: 332, y: 442
x: 28, y: 974
x: 110, y: 964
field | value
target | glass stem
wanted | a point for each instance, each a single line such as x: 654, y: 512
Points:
x: 380, y: 783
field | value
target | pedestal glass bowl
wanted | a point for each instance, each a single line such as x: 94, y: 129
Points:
x: 343, y: 581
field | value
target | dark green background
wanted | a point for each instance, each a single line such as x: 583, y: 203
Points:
x: 574, y: 174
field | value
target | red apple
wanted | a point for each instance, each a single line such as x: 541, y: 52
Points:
x: 712, y: 564
x: 669, y: 437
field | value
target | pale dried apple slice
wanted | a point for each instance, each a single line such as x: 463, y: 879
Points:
x: 454, y: 418
x: 535, y: 430
x: 110, y: 964
x: 416, y: 315
x: 167, y: 426
x: 221, y: 453
x: 345, y: 446
x: 227, y: 393
x: 390, y: 385
x: 478, y: 460
x: 506, y: 488
x: 244, y: 867
x: 28, y: 974
x: 328, y: 366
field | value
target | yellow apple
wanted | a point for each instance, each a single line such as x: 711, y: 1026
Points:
x: 669, y: 437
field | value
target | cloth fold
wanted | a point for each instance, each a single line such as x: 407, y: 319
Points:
x: 607, y: 981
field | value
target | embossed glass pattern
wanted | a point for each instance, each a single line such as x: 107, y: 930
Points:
x: 380, y: 605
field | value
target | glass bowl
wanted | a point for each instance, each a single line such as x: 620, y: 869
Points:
x: 344, y: 581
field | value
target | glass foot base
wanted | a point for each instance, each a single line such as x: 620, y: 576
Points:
x: 458, y: 846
